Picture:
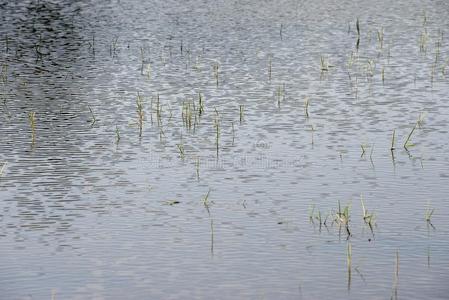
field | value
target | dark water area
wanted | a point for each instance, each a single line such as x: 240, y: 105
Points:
x: 208, y: 149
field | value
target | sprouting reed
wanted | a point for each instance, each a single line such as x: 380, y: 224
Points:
x: 216, y: 67
x: 140, y: 113
x: 368, y: 217
x: 181, y: 149
x: 407, y: 141
x: 428, y: 214
x: 117, y: 135
x: 241, y: 110
x: 342, y: 218
x: 280, y: 94
x: 93, y: 120
x: 32, y: 120
x: 393, y: 136
x: 324, y: 64
x: 306, y: 106
x: 207, y: 204
x: 380, y: 37
x: 200, y: 104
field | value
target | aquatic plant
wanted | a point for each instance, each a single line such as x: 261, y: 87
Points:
x: 140, y: 113
x: 117, y: 134
x: 428, y: 213
x: 93, y: 120
x: 206, y: 201
x: 393, y: 140
x: 368, y: 217
x: 241, y: 109
x: 324, y: 64
x: 32, y: 120
x: 380, y: 37
x: 216, y: 67
x: 407, y: 141
x: 342, y: 217
x: 306, y: 106
x: 200, y: 104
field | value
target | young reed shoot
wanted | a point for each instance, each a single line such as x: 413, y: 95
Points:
x: 306, y: 106
x: 93, y: 120
x: 32, y: 121
x: 117, y: 134
x: 241, y: 110
x: 140, y: 113
x: 428, y: 213
x: 407, y: 141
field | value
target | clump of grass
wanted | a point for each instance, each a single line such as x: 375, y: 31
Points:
x: 370, y: 67
x: 306, y: 106
x: 342, y: 217
x: 428, y: 213
x: 324, y: 64
x: 423, y: 39
x: 32, y: 120
x: 140, y: 113
x: 368, y: 217
x: 420, y: 121
x: 181, y: 150
x: 188, y: 114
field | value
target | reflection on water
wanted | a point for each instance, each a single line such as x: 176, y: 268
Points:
x: 142, y: 108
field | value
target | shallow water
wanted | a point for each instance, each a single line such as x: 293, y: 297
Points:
x: 84, y: 216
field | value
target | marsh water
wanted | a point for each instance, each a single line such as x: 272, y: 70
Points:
x: 125, y: 186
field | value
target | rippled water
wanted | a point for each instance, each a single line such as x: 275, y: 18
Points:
x: 87, y: 215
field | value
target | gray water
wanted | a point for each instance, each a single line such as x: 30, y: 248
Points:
x: 87, y: 215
